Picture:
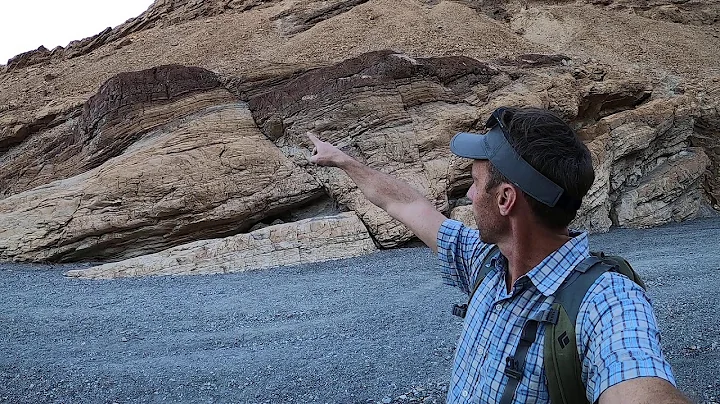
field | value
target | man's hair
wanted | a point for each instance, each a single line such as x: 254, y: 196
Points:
x: 550, y: 145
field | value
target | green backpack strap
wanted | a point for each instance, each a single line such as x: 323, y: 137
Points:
x: 515, y: 364
x: 486, y: 266
x: 563, y: 368
x: 562, y: 362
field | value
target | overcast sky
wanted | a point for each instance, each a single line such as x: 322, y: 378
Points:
x: 27, y: 24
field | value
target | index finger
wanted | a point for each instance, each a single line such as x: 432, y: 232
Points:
x: 313, y: 138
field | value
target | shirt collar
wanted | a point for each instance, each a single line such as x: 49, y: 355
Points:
x: 551, y: 272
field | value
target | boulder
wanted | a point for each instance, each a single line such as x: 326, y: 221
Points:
x: 310, y: 240
x: 464, y: 214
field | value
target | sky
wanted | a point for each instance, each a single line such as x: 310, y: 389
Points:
x: 27, y: 24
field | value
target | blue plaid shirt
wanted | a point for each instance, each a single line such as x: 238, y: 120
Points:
x: 617, y: 335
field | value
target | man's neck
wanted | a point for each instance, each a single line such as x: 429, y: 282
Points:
x: 526, y: 247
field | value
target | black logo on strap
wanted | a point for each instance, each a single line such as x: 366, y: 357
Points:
x: 563, y: 340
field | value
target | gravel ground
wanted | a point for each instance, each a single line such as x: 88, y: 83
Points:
x: 365, y: 330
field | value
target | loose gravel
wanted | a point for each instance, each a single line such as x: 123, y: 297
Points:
x: 375, y: 329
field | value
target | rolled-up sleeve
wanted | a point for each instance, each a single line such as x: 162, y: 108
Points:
x: 620, y: 336
x: 458, y: 248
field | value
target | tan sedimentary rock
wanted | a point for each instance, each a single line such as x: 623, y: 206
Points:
x: 127, y: 192
x: 70, y: 139
x: 594, y: 214
x: 390, y: 111
x: 646, y: 170
x: 707, y: 136
x: 72, y: 118
x: 464, y: 214
x: 671, y: 192
x: 695, y: 12
x: 311, y: 240
x: 209, y: 174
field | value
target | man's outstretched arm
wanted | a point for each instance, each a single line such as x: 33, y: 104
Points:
x: 396, y: 197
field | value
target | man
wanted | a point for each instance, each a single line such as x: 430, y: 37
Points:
x: 530, y: 172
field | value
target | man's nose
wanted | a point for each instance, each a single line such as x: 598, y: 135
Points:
x: 471, y: 193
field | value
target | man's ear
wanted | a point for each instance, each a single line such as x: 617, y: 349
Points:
x: 506, y: 198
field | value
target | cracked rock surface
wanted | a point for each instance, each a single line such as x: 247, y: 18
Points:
x: 187, y: 123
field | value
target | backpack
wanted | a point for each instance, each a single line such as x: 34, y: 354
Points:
x: 562, y: 362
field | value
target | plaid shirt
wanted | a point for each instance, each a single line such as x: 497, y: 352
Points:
x: 617, y: 335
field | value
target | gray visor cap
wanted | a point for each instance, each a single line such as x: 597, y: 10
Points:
x: 494, y: 146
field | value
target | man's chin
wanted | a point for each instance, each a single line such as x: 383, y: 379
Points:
x: 485, y: 237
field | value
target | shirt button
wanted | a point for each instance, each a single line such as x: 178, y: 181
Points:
x: 481, y: 351
x: 498, y: 307
x: 465, y: 393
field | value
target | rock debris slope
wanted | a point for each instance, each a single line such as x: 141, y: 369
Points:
x: 186, y: 124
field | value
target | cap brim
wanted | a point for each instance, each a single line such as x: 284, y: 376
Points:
x: 470, y: 145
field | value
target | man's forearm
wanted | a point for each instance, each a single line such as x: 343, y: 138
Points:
x: 381, y: 189
x: 398, y: 198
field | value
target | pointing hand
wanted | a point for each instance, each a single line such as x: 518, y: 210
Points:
x: 325, y: 154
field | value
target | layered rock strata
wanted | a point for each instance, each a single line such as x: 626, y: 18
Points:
x: 68, y: 140
x: 646, y: 170
x: 310, y: 240
x: 196, y: 167
x: 390, y: 111
x: 171, y: 155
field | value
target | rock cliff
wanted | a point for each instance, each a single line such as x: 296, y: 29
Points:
x: 186, y: 124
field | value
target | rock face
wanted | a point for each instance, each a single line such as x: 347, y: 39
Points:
x: 197, y: 167
x: 188, y: 123
x: 464, y: 214
x: 706, y: 135
x: 696, y: 12
x: 293, y: 20
x: 126, y: 108
x: 390, y: 111
x: 309, y: 240
x: 646, y: 170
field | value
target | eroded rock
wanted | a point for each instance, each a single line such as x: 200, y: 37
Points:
x: 207, y: 175
x: 168, y: 156
x: 696, y: 12
x: 670, y: 192
x: 393, y: 112
x: 464, y: 214
x: 67, y: 140
x: 707, y: 136
x: 310, y: 240
x: 645, y: 170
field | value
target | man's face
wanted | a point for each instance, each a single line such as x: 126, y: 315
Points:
x: 491, y: 224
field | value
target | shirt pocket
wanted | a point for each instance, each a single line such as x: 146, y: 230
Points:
x: 493, y: 370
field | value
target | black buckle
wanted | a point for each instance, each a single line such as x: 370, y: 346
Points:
x: 512, y: 368
x: 553, y: 316
x: 460, y: 310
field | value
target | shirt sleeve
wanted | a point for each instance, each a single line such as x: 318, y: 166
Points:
x: 618, y: 336
x: 458, y: 248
